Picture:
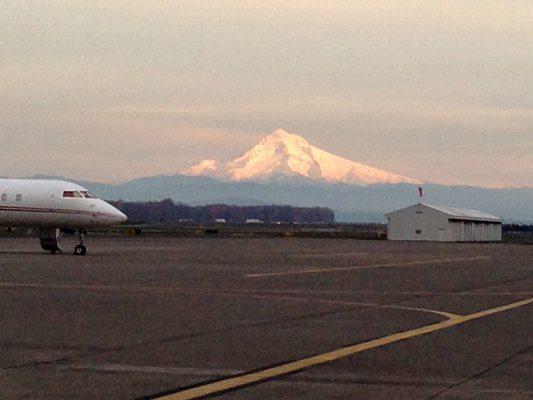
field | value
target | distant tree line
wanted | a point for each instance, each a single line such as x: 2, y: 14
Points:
x: 517, y: 228
x: 166, y: 211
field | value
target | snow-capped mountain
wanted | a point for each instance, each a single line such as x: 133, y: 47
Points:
x: 205, y: 167
x: 288, y: 155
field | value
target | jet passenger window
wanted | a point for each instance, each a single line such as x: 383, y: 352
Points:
x: 72, y: 194
x: 4, y: 197
x: 19, y: 197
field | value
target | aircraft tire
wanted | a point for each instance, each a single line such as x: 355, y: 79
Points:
x: 80, y: 250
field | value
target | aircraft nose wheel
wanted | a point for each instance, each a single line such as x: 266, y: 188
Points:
x: 80, y: 250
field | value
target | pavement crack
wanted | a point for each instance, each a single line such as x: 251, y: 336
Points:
x: 359, y: 381
x: 481, y: 373
x: 179, y: 337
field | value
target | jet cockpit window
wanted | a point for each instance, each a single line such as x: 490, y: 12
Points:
x: 88, y: 195
x: 72, y: 194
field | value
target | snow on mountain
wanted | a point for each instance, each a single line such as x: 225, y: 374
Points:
x: 205, y: 167
x: 289, y: 155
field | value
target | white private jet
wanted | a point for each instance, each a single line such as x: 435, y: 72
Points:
x: 54, y: 206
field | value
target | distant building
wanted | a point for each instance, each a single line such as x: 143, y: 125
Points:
x: 423, y: 222
x: 220, y: 220
x: 254, y: 221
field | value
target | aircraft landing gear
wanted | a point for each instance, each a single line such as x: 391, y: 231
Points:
x: 50, y: 238
x: 80, y: 249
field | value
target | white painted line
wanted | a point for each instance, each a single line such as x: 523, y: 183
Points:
x: 374, y: 292
x: 349, y: 303
x: 328, y: 255
x: 370, y: 266
x: 230, y: 293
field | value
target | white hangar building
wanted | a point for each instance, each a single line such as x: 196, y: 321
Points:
x: 423, y: 222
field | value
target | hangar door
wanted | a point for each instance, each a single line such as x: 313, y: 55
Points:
x: 473, y: 231
x: 464, y: 231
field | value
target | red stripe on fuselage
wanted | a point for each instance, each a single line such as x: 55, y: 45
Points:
x: 53, y: 211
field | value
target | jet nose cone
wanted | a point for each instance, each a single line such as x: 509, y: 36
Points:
x: 120, y: 216
x: 112, y: 215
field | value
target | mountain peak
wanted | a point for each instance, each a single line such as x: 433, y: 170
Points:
x: 293, y: 143
x: 280, y: 153
x: 281, y: 132
x: 286, y: 154
x: 284, y: 135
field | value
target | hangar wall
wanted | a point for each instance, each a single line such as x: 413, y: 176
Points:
x: 418, y: 223
x: 424, y: 223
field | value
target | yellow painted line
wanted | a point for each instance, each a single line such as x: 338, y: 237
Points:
x: 370, y: 266
x: 496, y: 310
x: 296, y: 366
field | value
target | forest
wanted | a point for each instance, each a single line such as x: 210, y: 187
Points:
x: 166, y: 211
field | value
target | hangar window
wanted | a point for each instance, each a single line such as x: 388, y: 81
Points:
x: 72, y: 194
x: 419, y: 231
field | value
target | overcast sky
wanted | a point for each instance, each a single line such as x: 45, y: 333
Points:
x: 441, y: 91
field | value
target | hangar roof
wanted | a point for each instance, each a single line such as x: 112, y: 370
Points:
x: 463, y: 213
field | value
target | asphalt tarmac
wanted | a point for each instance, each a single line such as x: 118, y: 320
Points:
x: 173, y: 319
